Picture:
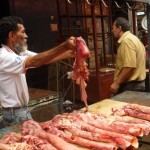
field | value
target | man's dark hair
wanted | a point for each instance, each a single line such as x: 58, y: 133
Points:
x: 8, y: 24
x: 123, y: 23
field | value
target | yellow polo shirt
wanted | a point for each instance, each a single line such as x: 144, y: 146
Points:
x: 131, y: 53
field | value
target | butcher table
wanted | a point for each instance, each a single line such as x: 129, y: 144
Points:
x: 105, y: 107
x: 141, y: 98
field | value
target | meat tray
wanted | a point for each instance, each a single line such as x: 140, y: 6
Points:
x: 103, y: 107
x: 141, y: 98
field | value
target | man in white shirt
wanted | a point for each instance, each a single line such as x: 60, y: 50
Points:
x: 15, y: 59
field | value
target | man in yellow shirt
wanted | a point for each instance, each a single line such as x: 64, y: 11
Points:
x: 130, y: 70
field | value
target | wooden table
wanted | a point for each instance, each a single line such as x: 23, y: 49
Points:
x: 142, y: 98
x: 104, y: 107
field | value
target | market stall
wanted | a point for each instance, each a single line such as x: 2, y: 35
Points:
x: 120, y: 122
x: 105, y: 108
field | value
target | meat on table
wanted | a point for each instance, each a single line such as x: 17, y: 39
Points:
x: 80, y: 130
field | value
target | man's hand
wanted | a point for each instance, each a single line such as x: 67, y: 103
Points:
x: 114, y: 87
x: 70, y: 44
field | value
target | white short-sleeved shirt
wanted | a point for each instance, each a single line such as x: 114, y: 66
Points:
x: 13, y: 85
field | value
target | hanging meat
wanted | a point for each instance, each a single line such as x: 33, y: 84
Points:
x: 80, y: 71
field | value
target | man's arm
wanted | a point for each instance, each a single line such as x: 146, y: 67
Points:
x: 123, y: 76
x: 62, y: 51
x: 67, y: 54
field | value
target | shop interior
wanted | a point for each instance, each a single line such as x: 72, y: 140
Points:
x: 49, y: 23
x: 90, y: 19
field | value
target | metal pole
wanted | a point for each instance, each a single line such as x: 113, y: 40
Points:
x: 95, y: 47
x: 148, y: 29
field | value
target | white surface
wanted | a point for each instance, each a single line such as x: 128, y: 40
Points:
x: 144, y: 22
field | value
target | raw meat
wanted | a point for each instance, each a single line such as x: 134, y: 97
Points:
x: 90, y: 130
x: 107, y: 124
x: 33, y: 128
x: 80, y: 71
x: 16, y: 141
x: 20, y: 146
x: 10, y: 138
x: 143, y: 124
x: 88, y: 143
x: 75, y: 126
x: 134, y: 110
x: 37, y: 143
x: 71, y: 137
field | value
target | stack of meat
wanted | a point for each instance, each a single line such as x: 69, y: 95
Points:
x: 79, y: 130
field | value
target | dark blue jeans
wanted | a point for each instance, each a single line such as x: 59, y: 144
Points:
x: 15, y: 115
x: 132, y: 86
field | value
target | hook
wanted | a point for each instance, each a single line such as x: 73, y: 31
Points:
x: 104, y: 3
x: 88, y: 2
x: 130, y: 6
x: 69, y: 1
x: 117, y: 4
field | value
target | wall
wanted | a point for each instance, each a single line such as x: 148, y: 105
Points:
x: 38, y: 16
x: 4, y: 8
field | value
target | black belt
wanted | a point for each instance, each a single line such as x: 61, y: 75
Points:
x: 134, y: 82
x: 13, y: 108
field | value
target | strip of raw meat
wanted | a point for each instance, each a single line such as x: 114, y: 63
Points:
x: 129, y: 122
x: 58, y: 142
x: 100, y: 137
x: 50, y: 128
x: 134, y: 110
x: 133, y: 140
x: 106, y: 124
x: 68, y: 122
x: 10, y: 138
x: 37, y: 143
x: 5, y: 146
x: 132, y: 120
x: 77, y: 114
x: 72, y: 138
x: 33, y: 128
x: 88, y: 143
x: 30, y: 127
x: 145, y: 125
x: 139, y: 108
x: 16, y: 146
x: 80, y: 71
x: 63, y: 121
x: 32, y: 141
x: 21, y: 146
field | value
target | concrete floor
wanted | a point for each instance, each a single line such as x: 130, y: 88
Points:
x: 144, y: 142
x: 144, y: 147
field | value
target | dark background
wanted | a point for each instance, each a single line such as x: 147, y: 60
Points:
x: 37, y: 19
